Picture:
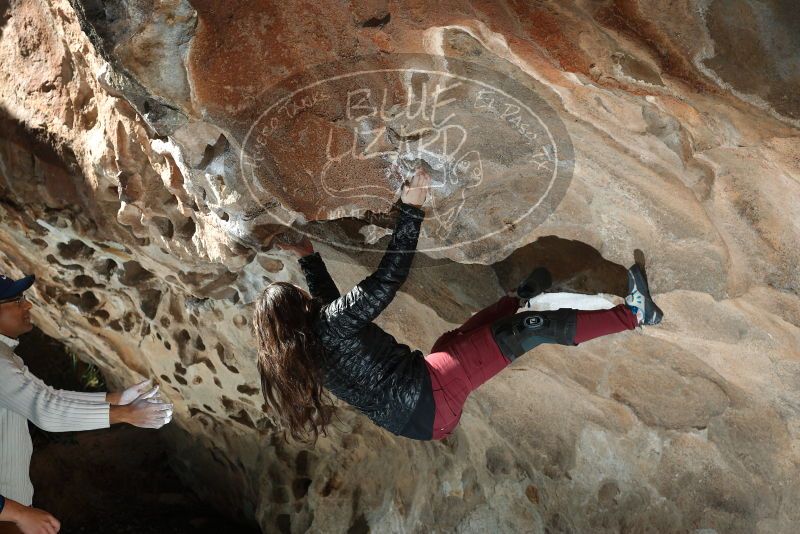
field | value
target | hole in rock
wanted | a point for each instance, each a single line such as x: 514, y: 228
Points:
x: 270, y: 264
x: 176, y: 308
x: 163, y: 226
x: 72, y: 267
x: 72, y: 298
x: 182, y: 337
x: 302, y: 462
x: 49, y: 293
x: 608, y: 492
x: 131, y: 187
x: 89, y: 118
x: 280, y: 495
x: 575, y: 266
x: 532, y: 493
x: 129, y: 321
x: 187, y: 229
x: 242, y: 417
x: 229, y: 404
x: 83, y: 280
x: 300, y: 487
x: 223, y: 357
x: 106, y: 267
x: 133, y: 274
x: 247, y: 390
x: 74, y: 249
x: 88, y: 301
x: 208, y: 363
x: 331, y: 485
x: 360, y: 526
x: 377, y: 22
x: 284, y: 522
x: 151, y: 298
x: 195, y: 279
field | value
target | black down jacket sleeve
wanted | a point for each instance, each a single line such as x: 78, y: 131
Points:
x: 320, y: 283
x: 361, y: 305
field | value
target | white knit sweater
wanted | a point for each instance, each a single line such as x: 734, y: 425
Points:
x: 23, y: 398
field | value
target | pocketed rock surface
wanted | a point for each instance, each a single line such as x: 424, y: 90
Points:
x: 121, y: 125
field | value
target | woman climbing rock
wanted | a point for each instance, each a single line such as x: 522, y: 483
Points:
x: 309, y: 342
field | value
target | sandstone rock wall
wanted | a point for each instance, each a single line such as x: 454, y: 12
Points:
x: 120, y: 129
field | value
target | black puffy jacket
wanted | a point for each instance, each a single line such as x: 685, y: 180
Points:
x: 365, y: 366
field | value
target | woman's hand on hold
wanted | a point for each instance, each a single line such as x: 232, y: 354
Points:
x: 416, y: 192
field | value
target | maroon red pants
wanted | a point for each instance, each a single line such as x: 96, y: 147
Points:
x: 464, y: 358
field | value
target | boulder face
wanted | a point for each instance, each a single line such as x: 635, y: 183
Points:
x: 145, y: 183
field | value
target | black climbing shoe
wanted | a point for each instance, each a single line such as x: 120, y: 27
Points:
x: 536, y: 283
x: 639, y: 299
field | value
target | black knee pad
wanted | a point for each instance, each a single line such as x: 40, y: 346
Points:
x: 517, y: 334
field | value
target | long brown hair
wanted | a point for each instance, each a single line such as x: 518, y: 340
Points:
x: 289, y: 360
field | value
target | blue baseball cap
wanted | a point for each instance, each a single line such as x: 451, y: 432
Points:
x: 11, y: 288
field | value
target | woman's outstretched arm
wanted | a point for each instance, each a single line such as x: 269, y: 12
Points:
x: 319, y: 281
x: 362, y: 304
